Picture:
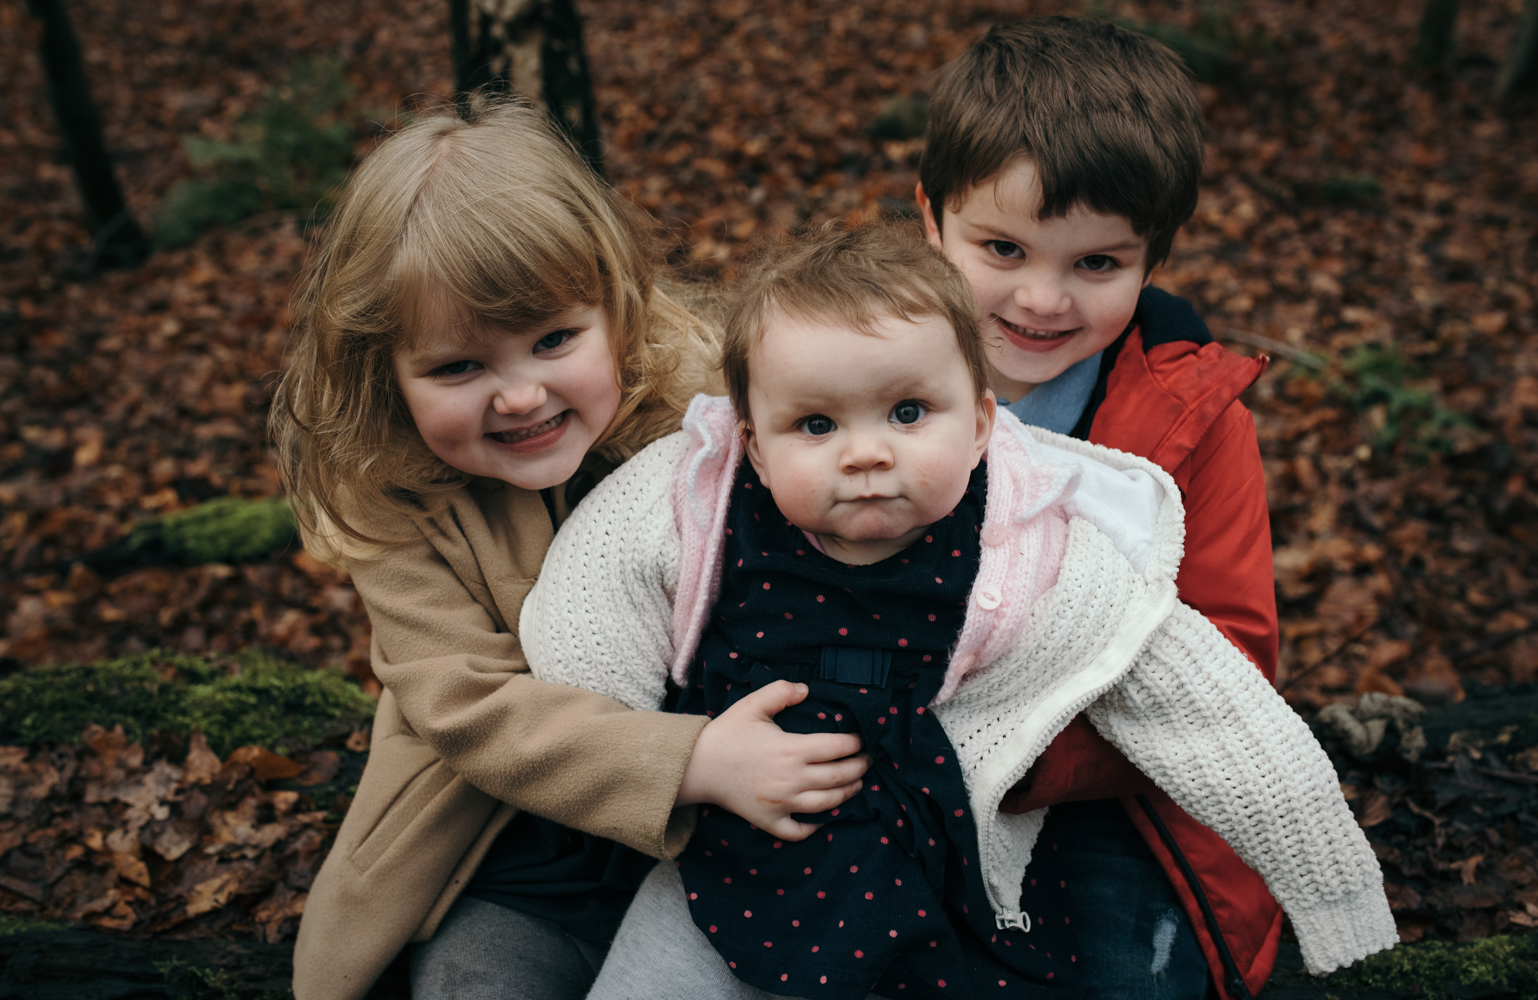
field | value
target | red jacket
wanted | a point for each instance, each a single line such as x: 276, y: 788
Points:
x: 1173, y: 399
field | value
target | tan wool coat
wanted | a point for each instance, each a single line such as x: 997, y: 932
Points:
x: 465, y: 737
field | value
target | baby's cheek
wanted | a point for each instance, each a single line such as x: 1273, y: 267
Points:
x: 801, y: 494
x: 942, y: 483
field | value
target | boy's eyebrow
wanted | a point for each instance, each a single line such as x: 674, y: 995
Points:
x: 1000, y: 234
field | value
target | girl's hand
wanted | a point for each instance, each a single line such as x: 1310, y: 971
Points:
x: 743, y: 761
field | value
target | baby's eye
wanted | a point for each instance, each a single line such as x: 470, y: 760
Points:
x: 909, y: 411
x: 817, y: 425
x: 1004, y: 248
x: 1098, y: 262
x: 456, y: 368
x: 551, y: 341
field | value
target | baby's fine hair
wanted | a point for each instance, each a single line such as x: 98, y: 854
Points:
x: 850, y: 276
x: 460, y: 225
x: 1108, y: 117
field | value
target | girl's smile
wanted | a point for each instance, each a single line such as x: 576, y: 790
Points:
x: 531, y: 439
x: 520, y: 406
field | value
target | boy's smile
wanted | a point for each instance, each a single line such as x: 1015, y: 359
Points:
x: 1051, y: 292
x: 864, y: 439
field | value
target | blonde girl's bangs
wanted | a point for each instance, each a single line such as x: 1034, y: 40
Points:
x: 504, y: 257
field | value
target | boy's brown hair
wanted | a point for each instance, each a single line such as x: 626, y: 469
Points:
x: 1108, y: 118
x: 851, y: 276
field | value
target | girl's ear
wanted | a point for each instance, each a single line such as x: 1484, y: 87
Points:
x: 755, y: 457
x: 987, y: 414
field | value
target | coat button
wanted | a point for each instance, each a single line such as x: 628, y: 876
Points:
x: 989, y: 598
x: 994, y: 534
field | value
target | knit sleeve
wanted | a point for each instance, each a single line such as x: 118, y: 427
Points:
x: 600, y: 616
x: 1196, y: 717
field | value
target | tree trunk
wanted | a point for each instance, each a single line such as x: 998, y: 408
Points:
x: 534, y: 48
x: 1438, y: 30
x: 1520, y: 73
x: 119, y: 240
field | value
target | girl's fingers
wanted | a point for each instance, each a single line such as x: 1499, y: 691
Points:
x: 792, y: 830
x: 836, y: 774
x: 825, y: 798
x: 771, y: 699
x: 830, y: 746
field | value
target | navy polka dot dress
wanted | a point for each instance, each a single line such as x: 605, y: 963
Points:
x: 888, y: 896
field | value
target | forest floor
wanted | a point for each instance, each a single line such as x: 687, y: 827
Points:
x: 1366, y: 222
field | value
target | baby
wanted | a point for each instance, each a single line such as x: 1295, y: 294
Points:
x: 852, y: 520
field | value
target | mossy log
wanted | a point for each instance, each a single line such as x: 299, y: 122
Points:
x: 89, y: 965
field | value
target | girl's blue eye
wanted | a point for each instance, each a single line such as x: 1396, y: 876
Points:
x: 1004, y: 248
x: 551, y: 341
x: 1097, y: 262
x: 818, y: 425
x: 458, y: 367
x: 909, y: 411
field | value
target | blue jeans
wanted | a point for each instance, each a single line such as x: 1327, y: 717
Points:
x: 1135, y: 941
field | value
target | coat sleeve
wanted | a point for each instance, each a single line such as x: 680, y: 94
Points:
x: 600, y: 618
x: 1198, y: 719
x: 462, y: 684
x: 1226, y: 575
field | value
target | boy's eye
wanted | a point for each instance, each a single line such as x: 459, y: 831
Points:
x: 909, y: 411
x: 818, y: 425
x: 551, y: 341
x: 1097, y: 262
x: 456, y: 368
x: 1004, y: 248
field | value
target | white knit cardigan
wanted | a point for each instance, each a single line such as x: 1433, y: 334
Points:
x: 1109, y: 639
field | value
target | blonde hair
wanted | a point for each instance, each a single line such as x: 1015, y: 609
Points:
x: 486, y: 220
x: 851, y: 275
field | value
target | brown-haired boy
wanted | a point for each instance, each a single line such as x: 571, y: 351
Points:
x: 1061, y: 157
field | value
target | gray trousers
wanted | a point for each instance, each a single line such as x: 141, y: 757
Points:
x: 658, y: 951
x: 483, y: 951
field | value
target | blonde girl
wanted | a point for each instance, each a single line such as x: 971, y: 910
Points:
x: 482, y: 341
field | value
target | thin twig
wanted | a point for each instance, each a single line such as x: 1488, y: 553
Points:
x: 1327, y: 657
x: 1493, y: 642
x: 1260, y: 340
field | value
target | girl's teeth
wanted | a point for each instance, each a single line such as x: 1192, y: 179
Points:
x: 511, y: 437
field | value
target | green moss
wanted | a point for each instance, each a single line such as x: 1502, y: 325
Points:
x: 1506, y: 963
x: 1351, y: 189
x: 196, y: 982
x: 229, y: 529
x: 901, y: 118
x: 1390, y: 393
x: 11, y: 924
x: 252, y: 699
x: 288, y: 155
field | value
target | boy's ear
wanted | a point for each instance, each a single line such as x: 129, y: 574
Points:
x: 987, y: 415
x: 750, y: 445
x: 926, y: 212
